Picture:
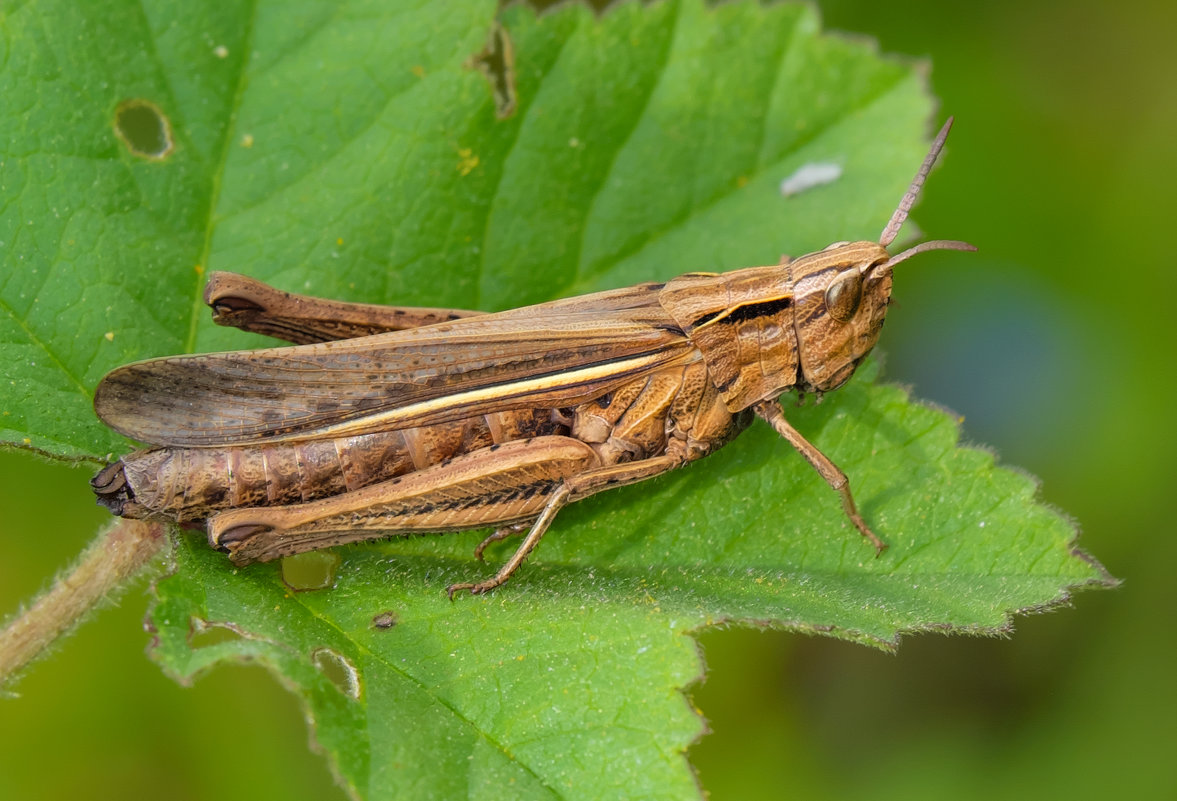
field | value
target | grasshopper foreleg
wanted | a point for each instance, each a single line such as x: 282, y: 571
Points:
x: 771, y: 412
x: 573, y: 489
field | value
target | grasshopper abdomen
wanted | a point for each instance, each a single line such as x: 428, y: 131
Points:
x: 192, y: 484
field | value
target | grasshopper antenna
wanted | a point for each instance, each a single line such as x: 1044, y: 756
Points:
x: 935, y: 244
x: 900, y: 215
x: 913, y: 191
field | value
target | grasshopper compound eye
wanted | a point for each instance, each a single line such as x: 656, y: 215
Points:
x: 844, y: 295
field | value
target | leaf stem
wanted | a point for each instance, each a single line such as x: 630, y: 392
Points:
x: 119, y: 553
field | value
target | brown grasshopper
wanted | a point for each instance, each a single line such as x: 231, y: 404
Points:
x: 400, y: 420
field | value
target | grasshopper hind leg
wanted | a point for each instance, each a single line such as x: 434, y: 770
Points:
x: 502, y: 485
x: 246, y: 303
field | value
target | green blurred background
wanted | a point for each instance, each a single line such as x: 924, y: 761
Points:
x: 1052, y: 344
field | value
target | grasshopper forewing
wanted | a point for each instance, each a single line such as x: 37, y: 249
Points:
x: 385, y: 420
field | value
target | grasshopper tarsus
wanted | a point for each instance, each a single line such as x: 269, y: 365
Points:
x: 474, y: 589
x: 870, y: 536
x: 851, y: 511
x: 480, y: 587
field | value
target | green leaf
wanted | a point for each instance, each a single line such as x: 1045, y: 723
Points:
x: 353, y: 152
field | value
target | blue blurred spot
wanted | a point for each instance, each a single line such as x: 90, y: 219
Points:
x: 994, y: 343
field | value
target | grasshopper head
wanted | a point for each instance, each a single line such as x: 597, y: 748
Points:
x: 840, y: 300
x: 841, y: 293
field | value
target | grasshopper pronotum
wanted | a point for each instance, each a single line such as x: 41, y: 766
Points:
x: 387, y: 419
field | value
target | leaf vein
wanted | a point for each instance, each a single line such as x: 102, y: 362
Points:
x: 217, y: 177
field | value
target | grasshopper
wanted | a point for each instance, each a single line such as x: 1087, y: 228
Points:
x: 389, y: 420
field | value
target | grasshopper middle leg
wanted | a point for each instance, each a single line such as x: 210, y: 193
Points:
x: 572, y: 489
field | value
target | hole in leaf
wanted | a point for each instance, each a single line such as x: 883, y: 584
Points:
x: 496, y: 62
x: 385, y: 620
x: 313, y: 570
x: 339, y: 671
x: 203, y: 634
x: 144, y: 129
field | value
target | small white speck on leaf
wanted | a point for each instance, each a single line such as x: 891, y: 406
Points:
x: 808, y: 176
